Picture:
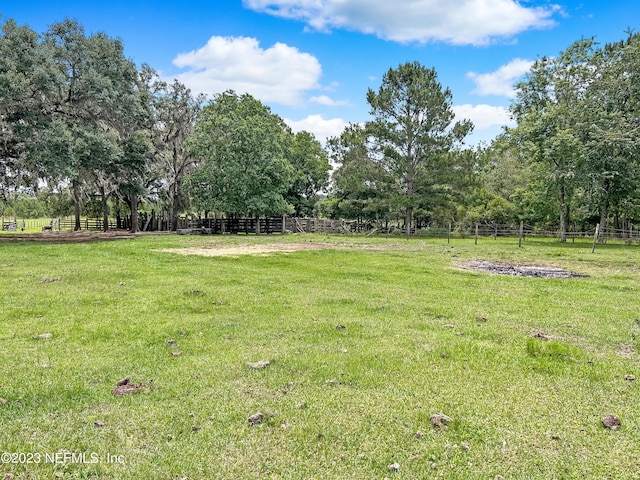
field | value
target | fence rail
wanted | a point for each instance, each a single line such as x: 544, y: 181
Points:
x: 269, y: 225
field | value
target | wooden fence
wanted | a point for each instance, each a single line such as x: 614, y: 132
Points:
x: 269, y: 225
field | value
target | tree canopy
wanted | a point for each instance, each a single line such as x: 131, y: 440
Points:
x: 242, y: 150
x: 82, y: 125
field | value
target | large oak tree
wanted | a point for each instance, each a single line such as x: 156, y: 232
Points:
x: 242, y: 149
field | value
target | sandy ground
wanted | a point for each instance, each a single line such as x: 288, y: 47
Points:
x: 264, y: 249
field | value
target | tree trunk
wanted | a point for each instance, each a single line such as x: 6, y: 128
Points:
x: 564, y: 214
x: 407, y: 221
x: 175, y: 208
x: 409, y: 214
x: 105, y: 210
x: 134, y: 213
x: 604, y: 214
x: 76, y: 205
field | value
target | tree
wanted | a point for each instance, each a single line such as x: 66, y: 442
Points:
x: 310, y: 173
x: 412, y: 128
x: 611, y: 170
x: 26, y: 71
x: 175, y: 111
x: 136, y: 158
x: 242, y: 150
x: 86, y: 106
x: 360, y: 185
x: 549, y: 109
x: 578, y: 123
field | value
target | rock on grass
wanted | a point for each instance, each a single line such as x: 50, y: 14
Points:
x: 611, y: 422
x: 260, y: 364
x: 440, y: 420
x: 255, y: 418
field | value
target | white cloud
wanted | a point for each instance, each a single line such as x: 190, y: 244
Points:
x: 483, y: 116
x: 501, y: 81
x: 463, y: 22
x: 322, y: 129
x: 328, y: 101
x: 279, y: 74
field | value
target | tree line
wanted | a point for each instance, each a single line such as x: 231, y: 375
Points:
x: 80, y: 120
x: 81, y: 125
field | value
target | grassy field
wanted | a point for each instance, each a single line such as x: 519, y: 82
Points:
x: 365, y: 341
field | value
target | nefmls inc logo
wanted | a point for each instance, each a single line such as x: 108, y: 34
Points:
x: 72, y: 457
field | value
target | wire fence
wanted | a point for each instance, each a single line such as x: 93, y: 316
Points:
x: 286, y: 224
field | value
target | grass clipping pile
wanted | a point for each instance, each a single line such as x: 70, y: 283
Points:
x: 517, y: 270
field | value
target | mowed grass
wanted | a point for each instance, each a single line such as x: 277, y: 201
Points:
x: 338, y: 403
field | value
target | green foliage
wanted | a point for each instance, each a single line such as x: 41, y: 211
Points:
x: 576, y: 124
x: 23, y: 206
x: 412, y: 129
x: 71, y: 103
x: 361, y: 186
x: 174, y: 110
x: 490, y: 209
x: 311, y: 173
x: 243, y: 152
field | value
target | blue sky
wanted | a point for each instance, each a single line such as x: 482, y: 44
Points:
x: 312, y: 61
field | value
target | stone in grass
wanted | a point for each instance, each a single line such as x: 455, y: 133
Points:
x: 440, y: 420
x: 44, y: 336
x: 176, y: 353
x: 394, y: 467
x: 629, y: 378
x: 3, y: 401
x: 260, y: 364
x: 611, y: 422
x: 255, y: 418
x: 99, y: 423
x: 51, y: 279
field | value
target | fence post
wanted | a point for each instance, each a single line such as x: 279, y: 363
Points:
x: 521, y: 234
x: 495, y: 232
x: 595, y: 238
x: 476, y: 242
x: 449, y: 234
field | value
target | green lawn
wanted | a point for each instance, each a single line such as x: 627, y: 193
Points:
x: 338, y: 403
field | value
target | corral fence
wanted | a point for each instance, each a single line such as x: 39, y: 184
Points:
x: 150, y: 222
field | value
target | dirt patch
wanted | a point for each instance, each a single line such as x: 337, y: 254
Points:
x: 264, y: 249
x: 65, y: 237
x: 626, y: 351
x: 518, y: 270
x: 125, y: 387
